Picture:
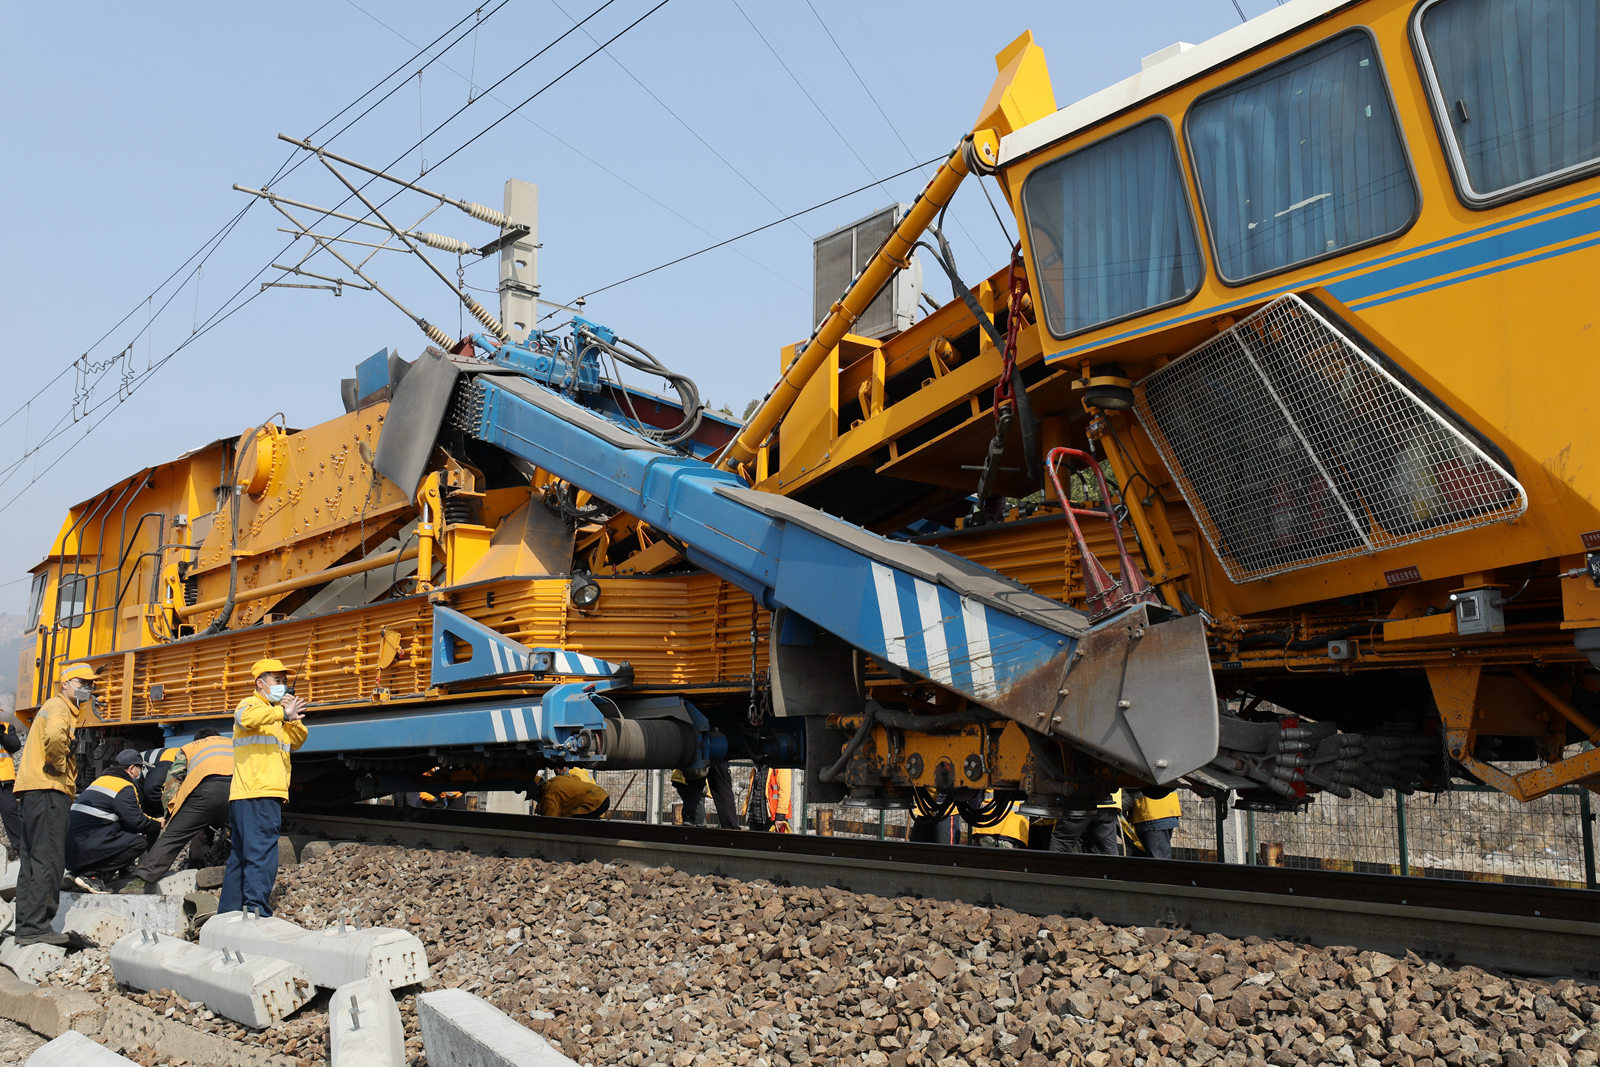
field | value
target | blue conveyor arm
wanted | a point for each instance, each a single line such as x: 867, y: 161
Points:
x: 1110, y: 688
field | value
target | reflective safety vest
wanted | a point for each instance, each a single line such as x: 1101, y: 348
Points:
x: 99, y: 801
x: 8, y: 765
x: 262, y: 742
x: 209, y: 757
x: 780, y: 795
x: 1147, y: 810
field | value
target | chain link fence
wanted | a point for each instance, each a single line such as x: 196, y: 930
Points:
x: 1469, y: 832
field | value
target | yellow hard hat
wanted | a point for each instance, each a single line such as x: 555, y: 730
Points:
x: 262, y: 666
x: 76, y: 670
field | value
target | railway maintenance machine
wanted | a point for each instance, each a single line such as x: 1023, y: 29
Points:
x: 1261, y: 467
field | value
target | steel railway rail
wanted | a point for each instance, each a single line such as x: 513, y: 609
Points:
x: 1518, y: 929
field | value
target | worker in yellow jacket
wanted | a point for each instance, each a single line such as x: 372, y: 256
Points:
x: 569, y: 796
x: 267, y: 728
x: 47, y: 783
x: 1154, y: 820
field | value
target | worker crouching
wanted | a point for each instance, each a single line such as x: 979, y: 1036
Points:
x: 267, y: 729
x: 571, y: 797
x: 202, y: 773
x: 108, y: 829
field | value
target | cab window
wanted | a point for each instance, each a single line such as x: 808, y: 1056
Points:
x: 1111, y: 230
x: 1301, y: 160
x: 1515, y: 90
x: 72, y: 600
x: 36, y: 601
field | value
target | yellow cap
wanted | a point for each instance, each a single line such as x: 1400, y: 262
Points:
x: 262, y: 666
x: 76, y: 670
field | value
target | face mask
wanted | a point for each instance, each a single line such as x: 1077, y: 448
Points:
x: 276, y: 693
x: 85, y: 694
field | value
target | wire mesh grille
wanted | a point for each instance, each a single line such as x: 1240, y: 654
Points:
x: 1294, y: 447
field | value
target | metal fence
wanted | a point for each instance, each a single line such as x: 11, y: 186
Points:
x: 1469, y: 832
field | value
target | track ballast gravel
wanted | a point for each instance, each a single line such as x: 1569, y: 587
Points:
x: 619, y: 965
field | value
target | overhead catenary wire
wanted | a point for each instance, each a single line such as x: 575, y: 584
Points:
x: 894, y: 129
x: 807, y: 94
x: 228, y: 309
x: 211, y: 243
x: 130, y: 387
x: 601, y: 166
x: 433, y: 332
x: 709, y: 147
x: 751, y: 232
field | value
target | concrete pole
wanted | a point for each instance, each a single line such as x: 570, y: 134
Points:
x: 519, y: 262
x: 1230, y: 833
x: 652, y: 797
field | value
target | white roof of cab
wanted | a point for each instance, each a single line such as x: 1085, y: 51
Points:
x: 1161, y: 76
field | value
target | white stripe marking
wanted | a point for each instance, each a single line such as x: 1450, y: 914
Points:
x: 933, y: 632
x: 499, y: 725
x: 979, y: 657
x: 519, y: 723
x: 894, y: 634
x: 96, y: 812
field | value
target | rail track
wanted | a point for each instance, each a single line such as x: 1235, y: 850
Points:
x: 1517, y: 929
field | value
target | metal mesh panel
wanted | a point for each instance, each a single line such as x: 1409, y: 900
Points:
x: 1293, y: 447
x: 839, y: 257
x: 879, y: 318
x: 833, y: 265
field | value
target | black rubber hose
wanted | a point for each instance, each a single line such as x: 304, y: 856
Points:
x: 831, y: 774
x: 220, y: 623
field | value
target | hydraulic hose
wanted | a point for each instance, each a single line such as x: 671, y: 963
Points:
x: 220, y: 623
x: 688, y: 392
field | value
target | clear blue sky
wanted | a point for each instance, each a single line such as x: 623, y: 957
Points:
x: 127, y: 124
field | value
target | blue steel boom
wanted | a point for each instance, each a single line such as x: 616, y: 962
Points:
x: 964, y: 628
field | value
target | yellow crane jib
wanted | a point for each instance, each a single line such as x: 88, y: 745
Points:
x: 1021, y: 94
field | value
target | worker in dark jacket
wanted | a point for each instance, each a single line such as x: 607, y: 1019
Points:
x: 691, y: 786
x: 47, y: 775
x: 109, y: 830
x: 10, y: 814
x: 153, y: 779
